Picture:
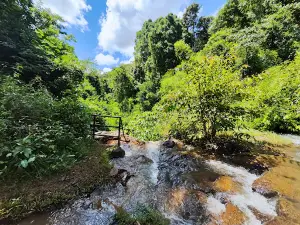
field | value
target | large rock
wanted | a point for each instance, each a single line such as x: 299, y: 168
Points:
x: 117, y: 153
x: 280, y: 221
x: 283, y: 180
x: 226, y: 184
x: 232, y: 216
x: 288, y: 210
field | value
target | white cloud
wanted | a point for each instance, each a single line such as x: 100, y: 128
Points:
x: 128, y: 61
x: 72, y: 11
x: 106, y: 70
x: 106, y: 60
x: 125, y: 17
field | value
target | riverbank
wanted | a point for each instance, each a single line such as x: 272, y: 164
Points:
x: 19, y: 198
x: 206, y: 183
x: 275, y: 158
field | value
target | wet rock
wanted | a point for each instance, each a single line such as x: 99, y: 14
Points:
x: 288, y: 210
x: 233, y: 215
x: 86, y: 204
x: 202, y: 197
x: 262, y: 187
x: 124, y: 176
x: 284, y: 180
x: 169, y: 143
x: 117, y: 153
x: 226, y: 184
x: 260, y: 216
x: 189, y: 205
x: 280, y: 221
x: 114, y: 172
x: 203, y: 180
x: 142, y: 159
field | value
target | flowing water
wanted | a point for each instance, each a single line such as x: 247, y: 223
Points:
x: 296, y: 141
x: 169, y: 182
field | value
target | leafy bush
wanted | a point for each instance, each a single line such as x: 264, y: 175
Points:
x: 39, y: 134
x: 274, y: 99
x: 207, y: 91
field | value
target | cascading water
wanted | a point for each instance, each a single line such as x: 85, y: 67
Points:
x: 161, y: 179
x: 244, y: 200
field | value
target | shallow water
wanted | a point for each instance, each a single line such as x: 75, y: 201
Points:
x: 296, y: 141
x: 168, y: 182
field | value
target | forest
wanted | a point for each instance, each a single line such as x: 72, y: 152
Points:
x: 192, y: 78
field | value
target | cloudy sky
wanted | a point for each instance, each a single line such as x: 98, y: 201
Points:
x: 105, y: 29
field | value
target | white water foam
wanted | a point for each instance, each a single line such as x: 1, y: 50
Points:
x: 247, y: 198
x: 215, y: 206
x: 294, y: 138
x: 153, y: 154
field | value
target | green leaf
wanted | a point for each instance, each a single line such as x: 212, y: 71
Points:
x: 24, y: 163
x: 27, y: 152
x: 32, y: 159
x: 8, y: 155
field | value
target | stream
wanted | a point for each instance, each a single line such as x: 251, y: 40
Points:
x: 180, y: 186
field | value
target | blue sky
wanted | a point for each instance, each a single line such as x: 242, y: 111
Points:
x: 105, y: 29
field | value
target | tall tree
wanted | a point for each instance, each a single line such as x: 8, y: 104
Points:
x: 202, y: 36
x: 33, y: 44
x: 155, y: 55
x: 18, y: 39
x: 190, y: 17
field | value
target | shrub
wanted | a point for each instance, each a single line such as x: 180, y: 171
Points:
x: 39, y: 134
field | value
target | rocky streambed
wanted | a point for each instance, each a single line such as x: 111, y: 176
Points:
x: 185, y: 188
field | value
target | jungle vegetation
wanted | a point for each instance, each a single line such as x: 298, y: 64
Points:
x: 192, y: 77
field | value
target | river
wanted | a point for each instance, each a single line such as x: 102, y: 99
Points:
x: 179, y: 186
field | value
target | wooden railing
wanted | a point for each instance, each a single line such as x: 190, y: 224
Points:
x: 96, y: 125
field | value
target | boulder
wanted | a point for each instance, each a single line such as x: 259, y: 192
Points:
x: 282, y: 180
x: 288, y: 210
x: 233, y: 215
x: 169, y: 143
x: 226, y: 184
x: 117, y: 153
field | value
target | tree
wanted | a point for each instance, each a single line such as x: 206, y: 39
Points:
x: 165, y: 33
x: 206, y: 91
x: 182, y: 50
x: 190, y: 17
x: 19, y: 41
x: 155, y: 55
x: 202, y: 36
x: 142, y: 51
x: 122, y: 83
x: 34, y: 46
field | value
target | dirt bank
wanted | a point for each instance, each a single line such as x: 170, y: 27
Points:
x: 19, y: 198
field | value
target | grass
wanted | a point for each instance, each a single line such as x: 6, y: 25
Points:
x: 19, y: 198
x: 268, y: 137
x: 143, y: 215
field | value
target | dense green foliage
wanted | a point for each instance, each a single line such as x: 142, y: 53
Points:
x: 191, y: 77
x: 197, y: 76
x: 43, y: 125
x: 37, y: 132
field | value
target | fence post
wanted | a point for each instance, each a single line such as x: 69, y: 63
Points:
x: 119, y: 132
